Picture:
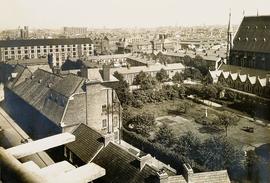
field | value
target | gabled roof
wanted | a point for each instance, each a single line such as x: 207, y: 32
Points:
x: 122, y: 166
x: 242, y: 77
x: 253, y: 35
x: 233, y: 75
x: 252, y: 79
x: 243, y: 70
x: 37, y: 92
x: 88, y: 142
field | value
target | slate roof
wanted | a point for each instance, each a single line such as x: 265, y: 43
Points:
x: 37, y: 89
x: 251, y: 35
x: 122, y: 167
x: 68, y: 85
x: 88, y: 143
x: 35, y: 92
x: 44, y: 42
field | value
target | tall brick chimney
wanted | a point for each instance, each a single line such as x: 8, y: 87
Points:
x: 106, y: 72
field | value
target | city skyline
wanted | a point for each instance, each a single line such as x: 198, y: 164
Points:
x: 125, y: 13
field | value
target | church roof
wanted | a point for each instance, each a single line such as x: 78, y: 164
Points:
x: 253, y: 35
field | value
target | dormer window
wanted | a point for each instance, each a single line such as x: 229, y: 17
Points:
x: 265, y: 27
x: 239, y: 39
x: 247, y: 27
x: 264, y: 39
x: 246, y: 38
x: 256, y: 27
x: 255, y: 39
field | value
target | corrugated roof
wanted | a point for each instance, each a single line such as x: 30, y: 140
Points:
x: 88, y: 142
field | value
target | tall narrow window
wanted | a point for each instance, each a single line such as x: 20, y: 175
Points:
x: 104, y: 123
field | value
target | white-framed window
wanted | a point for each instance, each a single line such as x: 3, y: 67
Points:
x: 104, y: 123
x: 116, y: 135
x: 104, y: 108
x: 115, y: 121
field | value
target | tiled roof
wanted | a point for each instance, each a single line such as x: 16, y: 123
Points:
x: 44, y: 42
x: 88, y: 142
x: 122, y: 166
x: 253, y: 35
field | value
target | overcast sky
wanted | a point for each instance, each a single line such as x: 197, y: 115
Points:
x: 125, y: 13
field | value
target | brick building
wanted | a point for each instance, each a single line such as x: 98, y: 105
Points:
x: 58, y: 49
x: 45, y: 103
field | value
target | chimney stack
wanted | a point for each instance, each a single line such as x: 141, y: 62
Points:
x: 188, y: 173
x: 162, y: 176
x: 108, y: 138
x: 147, y: 159
x: 106, y: 72
x: 267, y: 79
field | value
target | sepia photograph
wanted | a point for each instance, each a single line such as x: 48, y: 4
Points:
x: 134, y: 91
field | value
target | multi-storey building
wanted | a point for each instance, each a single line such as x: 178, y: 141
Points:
x: 75, y: 30
x: 45, y: 104
x: 60, y: 49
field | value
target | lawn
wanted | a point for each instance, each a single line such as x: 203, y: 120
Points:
x: 165, y: 113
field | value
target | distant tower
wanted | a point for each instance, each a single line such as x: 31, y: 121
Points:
x: 257, y: 12
x: 229, y: 37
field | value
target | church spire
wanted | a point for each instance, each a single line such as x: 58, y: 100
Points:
x: 229, y: 36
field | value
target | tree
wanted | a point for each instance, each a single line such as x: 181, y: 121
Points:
x: 210, y: 91
x: 148, y: 83
x: 139, y: 78
x: 218, y: 153
x: 165, y: 136
x: 118, y: 76
x: 188, y: 146
x: 183, y: 107
x: 226, y: 119
x: 162, y: 76
x: 177, y: 78
x: 122, y: 89
x: 142, y: 123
